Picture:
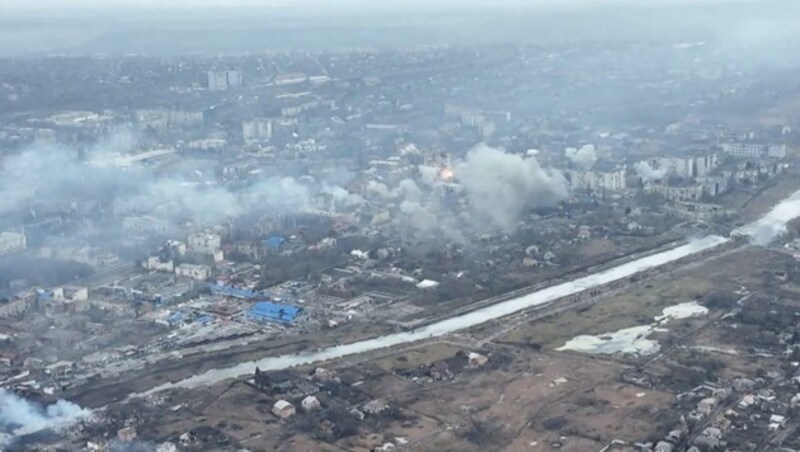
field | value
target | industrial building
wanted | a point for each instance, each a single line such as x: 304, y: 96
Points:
x: 274, y: 312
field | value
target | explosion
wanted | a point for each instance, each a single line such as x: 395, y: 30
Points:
x: 446, y: 174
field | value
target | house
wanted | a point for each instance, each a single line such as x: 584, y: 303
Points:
x: 427, y: 284
x: 477, y: 359
x: 375, y: 406
x: 323, y: 375
x: 126, y: 434
x: 310, y: 403
x: 283, y: 409
x: 61, y: 369
x: 584, y: 233
x: 777, y: 422
x: 706, y: 406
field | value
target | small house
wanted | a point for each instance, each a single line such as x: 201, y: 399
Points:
x: 283, y: 409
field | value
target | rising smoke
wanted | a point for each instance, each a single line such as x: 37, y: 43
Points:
x: 500, y: 186
x: 22, y: 417
x: 60, y: 178
x: 774, y: 224
x: 583, y: 158
x: 496, y: 186
x: 649, y: 174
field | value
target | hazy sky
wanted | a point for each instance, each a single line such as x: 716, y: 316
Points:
x: 372, y: 4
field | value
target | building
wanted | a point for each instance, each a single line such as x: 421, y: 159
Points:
x: 222, y: 80
x: 207, y: 245
x: 11, y: 242
x: 161, y: 119
x: 683, y: 193
x: 283, y: 409
x: 155, y: 263
x: 675, y: 167
x: 257, y: 130
x: 310, y: 403
x: 375, y: 406
x: 75, y: 293
x: 477, y: 359
x: 61, y: 369
x: 205, y: 242
x: 597, y: 181
x: 753, y: 150
x: 198, y: 272
x: 703, y: 166
x: 274, y: 312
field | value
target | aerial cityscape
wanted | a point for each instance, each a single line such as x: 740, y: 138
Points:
x: 358, y: 241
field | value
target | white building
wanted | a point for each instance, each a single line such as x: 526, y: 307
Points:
x: 257, y: 130
x: 703, y: 166
x: 154, y: 263
x: 161, y: 119
x: 310, y: 403
x: 751, y: 150
x: 222, y: 80
x: 688, y: 193
x: 205, y: 242
x: 597, y: 181
x: 283, y: 409
x: 199, y: 272
x: 12, y: 241
x: 208, y: 144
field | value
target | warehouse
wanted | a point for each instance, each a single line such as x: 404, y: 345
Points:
x: 274, y: 312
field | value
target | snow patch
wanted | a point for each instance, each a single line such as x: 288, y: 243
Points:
x: 633, y: 340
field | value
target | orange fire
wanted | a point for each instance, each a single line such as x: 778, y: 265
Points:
x: 446, y: 174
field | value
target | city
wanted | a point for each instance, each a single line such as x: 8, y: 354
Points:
x: 577, y: 245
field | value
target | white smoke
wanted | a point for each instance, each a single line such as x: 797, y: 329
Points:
x: 379, y: 188
x: 25, y: 417
x: 343, y: 197
x: 773, y: 225
x: 584, y: 158
x: 429, y: 175
x: 408, y: 190
x: 649, y: 174
x: 500, y: 186
x: 60, y: 177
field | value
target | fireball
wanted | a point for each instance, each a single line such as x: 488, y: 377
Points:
x: 446, y: 174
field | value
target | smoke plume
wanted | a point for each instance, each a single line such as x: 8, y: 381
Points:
x: 649, y: 174
x: 584, y: 158
x: 57, y: 178
x: 500, y: 186
x: 24, y: 417
x: 774, y: 224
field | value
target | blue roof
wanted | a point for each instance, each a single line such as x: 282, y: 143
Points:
x: 176, y: 317
x: 265, y: 310
x: 275, y: 241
